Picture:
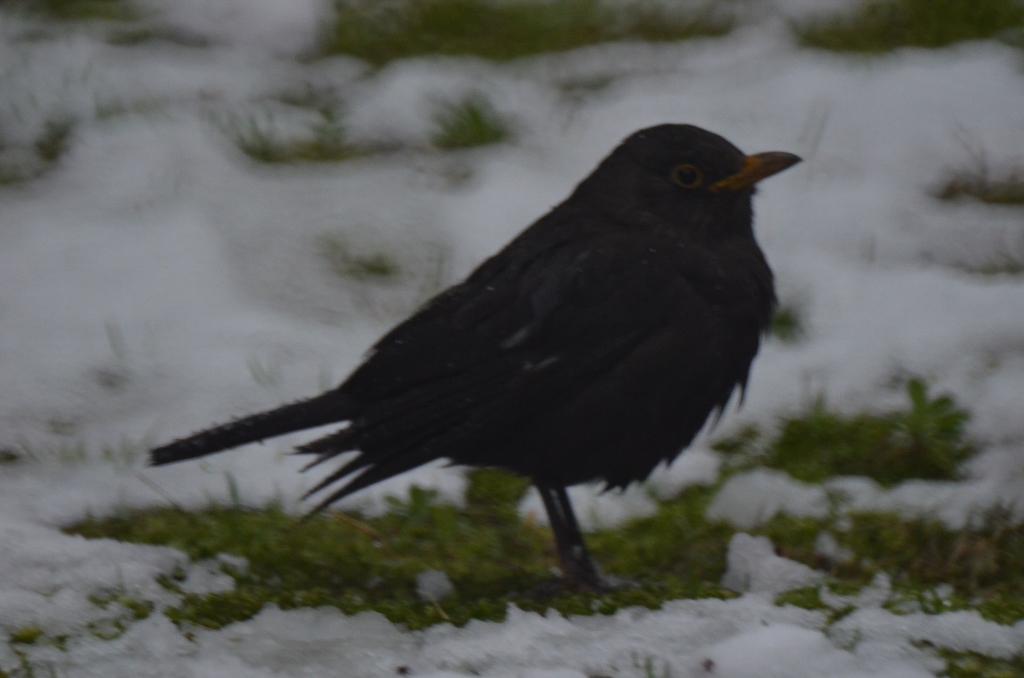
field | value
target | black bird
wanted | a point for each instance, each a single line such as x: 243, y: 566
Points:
x: 593, y: 347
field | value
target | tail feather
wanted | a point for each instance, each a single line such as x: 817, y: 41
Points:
x: 329, y: 408
x: 370, y: 475
x: 331, y: 445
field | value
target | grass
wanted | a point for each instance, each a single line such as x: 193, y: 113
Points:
x: 324, y: 141
x: 978, y: 184
x: 26, y: 635
x: 974, y: 665
x: 494, y: 557
x: 977, y: 179
x: 468, y: 123
x: 126, y: 611
x: 54, y: 140
x: 1001, y: 264
x: 927, y: 440
x: 31, y: 161
x: 879, y: 26
x: 787, y: 324
x: 810, y: 599
x: 346, y: 262
x: 383, y: 32
x: 918, y: 555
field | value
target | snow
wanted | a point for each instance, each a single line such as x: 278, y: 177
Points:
x: 753, y: 566
x: 752, y: 498
x: 156, y: 281
x: 433, y: 585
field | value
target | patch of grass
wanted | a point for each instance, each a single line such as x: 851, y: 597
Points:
x: 383, y: 32
x: 928, y: 441
x: 844, y: 588
x: 377, y: 265
x: 677, y: 541
x: 648, y: 666
x: 324, y: 142
x: 744, y: 444
x: 21, y: 163
x: 348, y: 263
x: 137, y: 609
x: 53, y: 142
x: 978, y: 179
x: 494, y: 557
x: 882, y: 25
x: 132, y: 610
x: 257, y: 139
x: 942, y: 598
x: 977, y: 183
x: 975, y: 665
x: 786, y: 325
x: 919, y: 554
x: 932, y: 569
x: 1002, y: 607
x: 26, y: 635
x: 468, y: 123
x: 78, y: 10
x: 808, y: 598
x: 491, y: 555
x: 977, y: 564
x: 1002, y: 264
x: 9, y: 176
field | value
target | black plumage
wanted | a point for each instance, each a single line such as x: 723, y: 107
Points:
x: 594, y: 346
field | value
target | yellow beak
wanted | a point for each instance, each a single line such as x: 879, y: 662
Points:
x: 756, y: 168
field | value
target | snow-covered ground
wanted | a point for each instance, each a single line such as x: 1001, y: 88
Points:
x: 156, y: 281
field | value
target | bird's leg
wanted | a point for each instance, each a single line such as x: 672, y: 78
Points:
x: 577, y: 564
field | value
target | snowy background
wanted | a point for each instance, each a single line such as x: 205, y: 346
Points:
x: 156, y: 281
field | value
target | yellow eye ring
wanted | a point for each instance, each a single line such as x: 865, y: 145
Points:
x: 687, y: 176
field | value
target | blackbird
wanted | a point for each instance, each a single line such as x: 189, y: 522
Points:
x: 593, y: 347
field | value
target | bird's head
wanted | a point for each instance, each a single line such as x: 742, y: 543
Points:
x: 685, y: 177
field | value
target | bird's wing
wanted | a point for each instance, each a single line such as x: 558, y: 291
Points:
x: 521, y: 336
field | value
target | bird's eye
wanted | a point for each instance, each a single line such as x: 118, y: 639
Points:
x: 687, y: 176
